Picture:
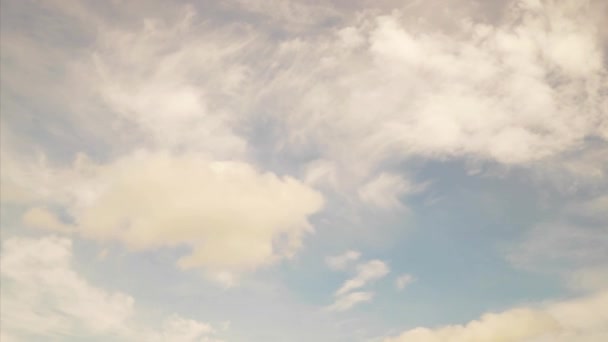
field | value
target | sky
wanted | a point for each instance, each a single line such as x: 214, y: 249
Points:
x: 291, y: 170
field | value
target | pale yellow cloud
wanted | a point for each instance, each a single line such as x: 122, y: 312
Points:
x: 583, y: 319
x: 233, y: 217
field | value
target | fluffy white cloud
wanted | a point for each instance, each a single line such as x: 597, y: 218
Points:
x: 584, y: 319
x: 342, y: 261
x: 404, y: 280
x: 502, y: 93
x: 44, y: 297
x: 233, y: 217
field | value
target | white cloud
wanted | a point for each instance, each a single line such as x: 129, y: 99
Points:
x: 233, y: 217
x: 341, y: 262
x: 349, y: 300
x: 366, y: 273
x: 583, y: 319
x: 369, y: 92
x: 484, y: 92
x: 404, y: 280
x: 44, y: 297
x: 373, y: 90
x: 384, y: 191
x: 164, y: 81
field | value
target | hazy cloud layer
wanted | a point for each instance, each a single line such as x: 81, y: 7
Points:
x: 43, y: 297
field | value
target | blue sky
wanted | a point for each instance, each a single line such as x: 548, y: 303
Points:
x: 286, y: 170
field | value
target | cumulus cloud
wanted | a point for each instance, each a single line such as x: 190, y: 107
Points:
x: 341, y: 262
x: 583, y: 319
x: 233, y: 217
x: 501, y: 93
x: 43, y: 297
x: 375, y: 89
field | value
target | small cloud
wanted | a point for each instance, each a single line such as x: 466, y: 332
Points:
x: 404, y: 280
x: 384, y: 191
x: 366, y: 273
x: 349, y: 300
x: 342, y: 261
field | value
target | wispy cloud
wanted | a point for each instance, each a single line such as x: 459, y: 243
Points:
x: 366, y: 273
x: 403, y: 281
x: 349, y: 300
x: 44, y: 296
x: 341, y: 262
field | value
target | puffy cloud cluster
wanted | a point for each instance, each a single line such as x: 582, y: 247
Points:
x: 377, y: 88
x: 43, y: 297
x: 526, y: 89
x: 233, y: 217
x: 583, y: 319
